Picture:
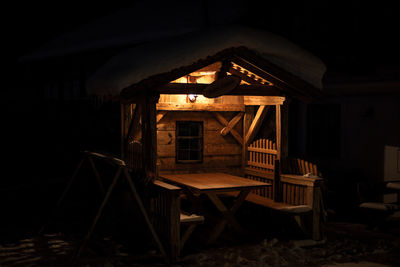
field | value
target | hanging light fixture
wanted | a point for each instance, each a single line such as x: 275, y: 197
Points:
x: 192, y: 79
x: 192, y: 98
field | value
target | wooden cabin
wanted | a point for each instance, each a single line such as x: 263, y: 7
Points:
x: 203, y: 113
x: 196, y: 103
x: 189, y: 132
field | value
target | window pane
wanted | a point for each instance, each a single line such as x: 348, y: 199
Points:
x: 189, y: 141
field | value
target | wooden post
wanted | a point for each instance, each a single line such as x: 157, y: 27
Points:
x: 149, y: 133
x: 278, y: 131
x: 123, y: 130
x: 285, y: 129
x: 277, y: 182
x: 175, y: 245
x: 316, y: 218
x: 247, y: 119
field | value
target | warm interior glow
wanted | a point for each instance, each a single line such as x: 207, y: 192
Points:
x: 204, y: 75
x: 183, y: 79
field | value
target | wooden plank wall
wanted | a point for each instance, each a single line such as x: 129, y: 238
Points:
x: 221, y: 153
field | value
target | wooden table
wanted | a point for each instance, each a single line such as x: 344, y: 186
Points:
x: 212, y: 183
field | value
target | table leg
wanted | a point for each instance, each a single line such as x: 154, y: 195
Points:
x: 195, y: 201
x: 228, y: 214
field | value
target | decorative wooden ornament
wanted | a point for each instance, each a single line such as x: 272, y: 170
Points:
x: 221, y: 86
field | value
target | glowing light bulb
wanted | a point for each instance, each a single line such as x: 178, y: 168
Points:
x: 192, y: 98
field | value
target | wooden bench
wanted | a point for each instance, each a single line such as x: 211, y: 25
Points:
x: 378, y: 212
x: 292, y: 193
x: 168, y: 219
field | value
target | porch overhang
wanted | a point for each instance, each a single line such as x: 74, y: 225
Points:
x: 150, y: 67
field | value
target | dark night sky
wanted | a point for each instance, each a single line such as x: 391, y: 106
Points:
x: 353, y: 38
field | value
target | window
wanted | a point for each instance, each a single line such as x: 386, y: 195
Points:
x: 189, y: 142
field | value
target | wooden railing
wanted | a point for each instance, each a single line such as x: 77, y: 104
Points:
x: 295, y: 182
x: 262, y: 154
x: 300, y: 167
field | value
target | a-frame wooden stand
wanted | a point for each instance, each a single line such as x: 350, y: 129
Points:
x: 122, y: 170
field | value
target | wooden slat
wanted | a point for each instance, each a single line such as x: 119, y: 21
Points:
x: 300, y: 179
x: 301, y: 196
x: 277, y: 183
x: 262, y: 150
x: 260, y: 165
x: 293, y: 194
x: 265, y: 174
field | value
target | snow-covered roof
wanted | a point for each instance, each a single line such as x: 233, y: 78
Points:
x: 144, y: 21
x: 161, y: 56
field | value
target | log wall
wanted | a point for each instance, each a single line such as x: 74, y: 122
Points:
x: 220, y: 153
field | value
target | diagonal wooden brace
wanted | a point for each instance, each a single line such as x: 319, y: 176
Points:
x: 229, y: 128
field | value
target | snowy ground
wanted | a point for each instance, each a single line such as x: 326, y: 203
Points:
x: 346, y: 243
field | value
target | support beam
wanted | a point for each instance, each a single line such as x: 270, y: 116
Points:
x: 255, y: 125
x: 232, y: 123
x: 160, y: 115
x: 224, y: 122
x: 197, y: 88
x: 263, y: 100
x: 199, y: 107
